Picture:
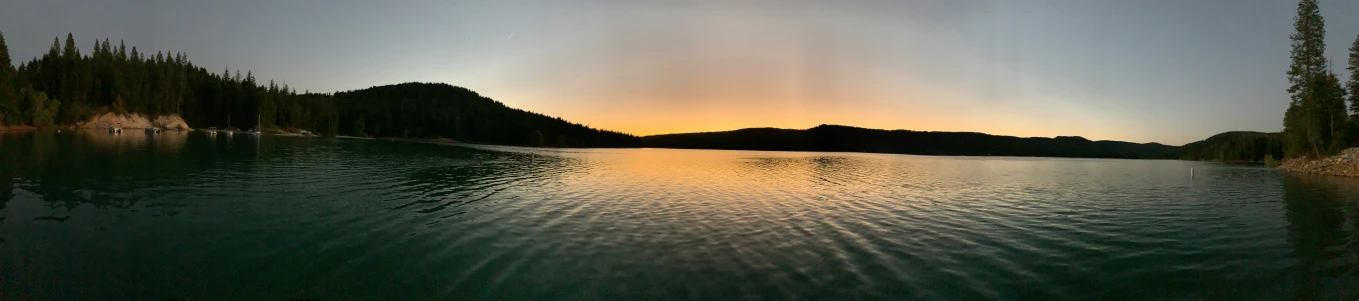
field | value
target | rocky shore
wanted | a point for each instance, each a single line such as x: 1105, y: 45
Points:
x: 134, y: 121
x: 1345, y: 164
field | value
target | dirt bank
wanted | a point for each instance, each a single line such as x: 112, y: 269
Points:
x: 1345, y: 164
x: 135, y: 121
x: 16, y: 128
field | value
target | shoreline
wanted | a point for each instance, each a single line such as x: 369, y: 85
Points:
x: 18, y: 128
x: 1345, y: 164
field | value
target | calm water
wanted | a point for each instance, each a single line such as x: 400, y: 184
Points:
x: 93, y: 216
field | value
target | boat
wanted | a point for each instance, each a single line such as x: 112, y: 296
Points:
x: 212, y: 131
x: 153, y: 130
x: 255, y: 131
x: 115, y: 130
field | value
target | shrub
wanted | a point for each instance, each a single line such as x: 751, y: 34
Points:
x: 1270, y: 162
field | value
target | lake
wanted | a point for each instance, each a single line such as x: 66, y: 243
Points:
x: 90, y: 215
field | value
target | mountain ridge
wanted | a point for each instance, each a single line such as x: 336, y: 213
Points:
x: 831, y: 137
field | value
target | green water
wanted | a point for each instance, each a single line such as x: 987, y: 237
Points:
x: 89, y: 215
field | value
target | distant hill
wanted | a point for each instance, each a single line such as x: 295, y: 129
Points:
x: 838, y: 138
x: 66, y: 87
x: 442, y: 110
x: 1236, y: 146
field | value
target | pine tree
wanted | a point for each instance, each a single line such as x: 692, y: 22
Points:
x: 5, y: 64
x: 1352, y: 86
x: 9, y: 101
x: 71, y: 53
x: 55, y: 51
x: 1306, y: 124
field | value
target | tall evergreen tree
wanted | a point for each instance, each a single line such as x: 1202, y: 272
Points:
x: 9, y: 101
x: 1306, y: 126
x: 71, y: 52
x: 1352, y: 86
x: 55, y: 51
x: 5, y: 63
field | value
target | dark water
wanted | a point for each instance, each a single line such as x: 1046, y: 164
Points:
x: 93, y: 216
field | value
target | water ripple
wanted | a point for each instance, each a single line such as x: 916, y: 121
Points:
x: 291, y: 217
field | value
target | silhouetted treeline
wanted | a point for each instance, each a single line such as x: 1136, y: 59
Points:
x: 65, y: 86
x: 854, y: 139
x: 441, y: 110
x: 125, y: 80
x: 1235, y: 147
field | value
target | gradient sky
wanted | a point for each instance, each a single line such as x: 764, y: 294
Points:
x: 1168, y: 71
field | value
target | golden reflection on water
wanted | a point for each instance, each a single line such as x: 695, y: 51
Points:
x: 695, y: 176
x: 132, y: 139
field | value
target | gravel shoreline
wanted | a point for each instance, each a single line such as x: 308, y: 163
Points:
x: 1345, y: 164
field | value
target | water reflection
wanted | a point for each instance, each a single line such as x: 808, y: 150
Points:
x: 132, y: 139
x: 71, y: 168
x: 1322, y: 220
x: 299, y: 217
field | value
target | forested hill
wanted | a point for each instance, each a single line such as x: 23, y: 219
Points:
x: 65, y: 86
x: 853, y: 139
x: 1235, y: 147
x: 430, y: 109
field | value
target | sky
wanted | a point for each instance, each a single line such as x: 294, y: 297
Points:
x: 1167, y: 71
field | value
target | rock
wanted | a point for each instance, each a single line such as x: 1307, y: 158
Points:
x: 1345, y: 164
x: 135, y: 121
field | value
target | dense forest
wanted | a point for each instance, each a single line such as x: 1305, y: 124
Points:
x: 65, y: 86
x: 1316, y: 123
x: 440, y: 110
x: 1235, y: 147
x: 853, y: 139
